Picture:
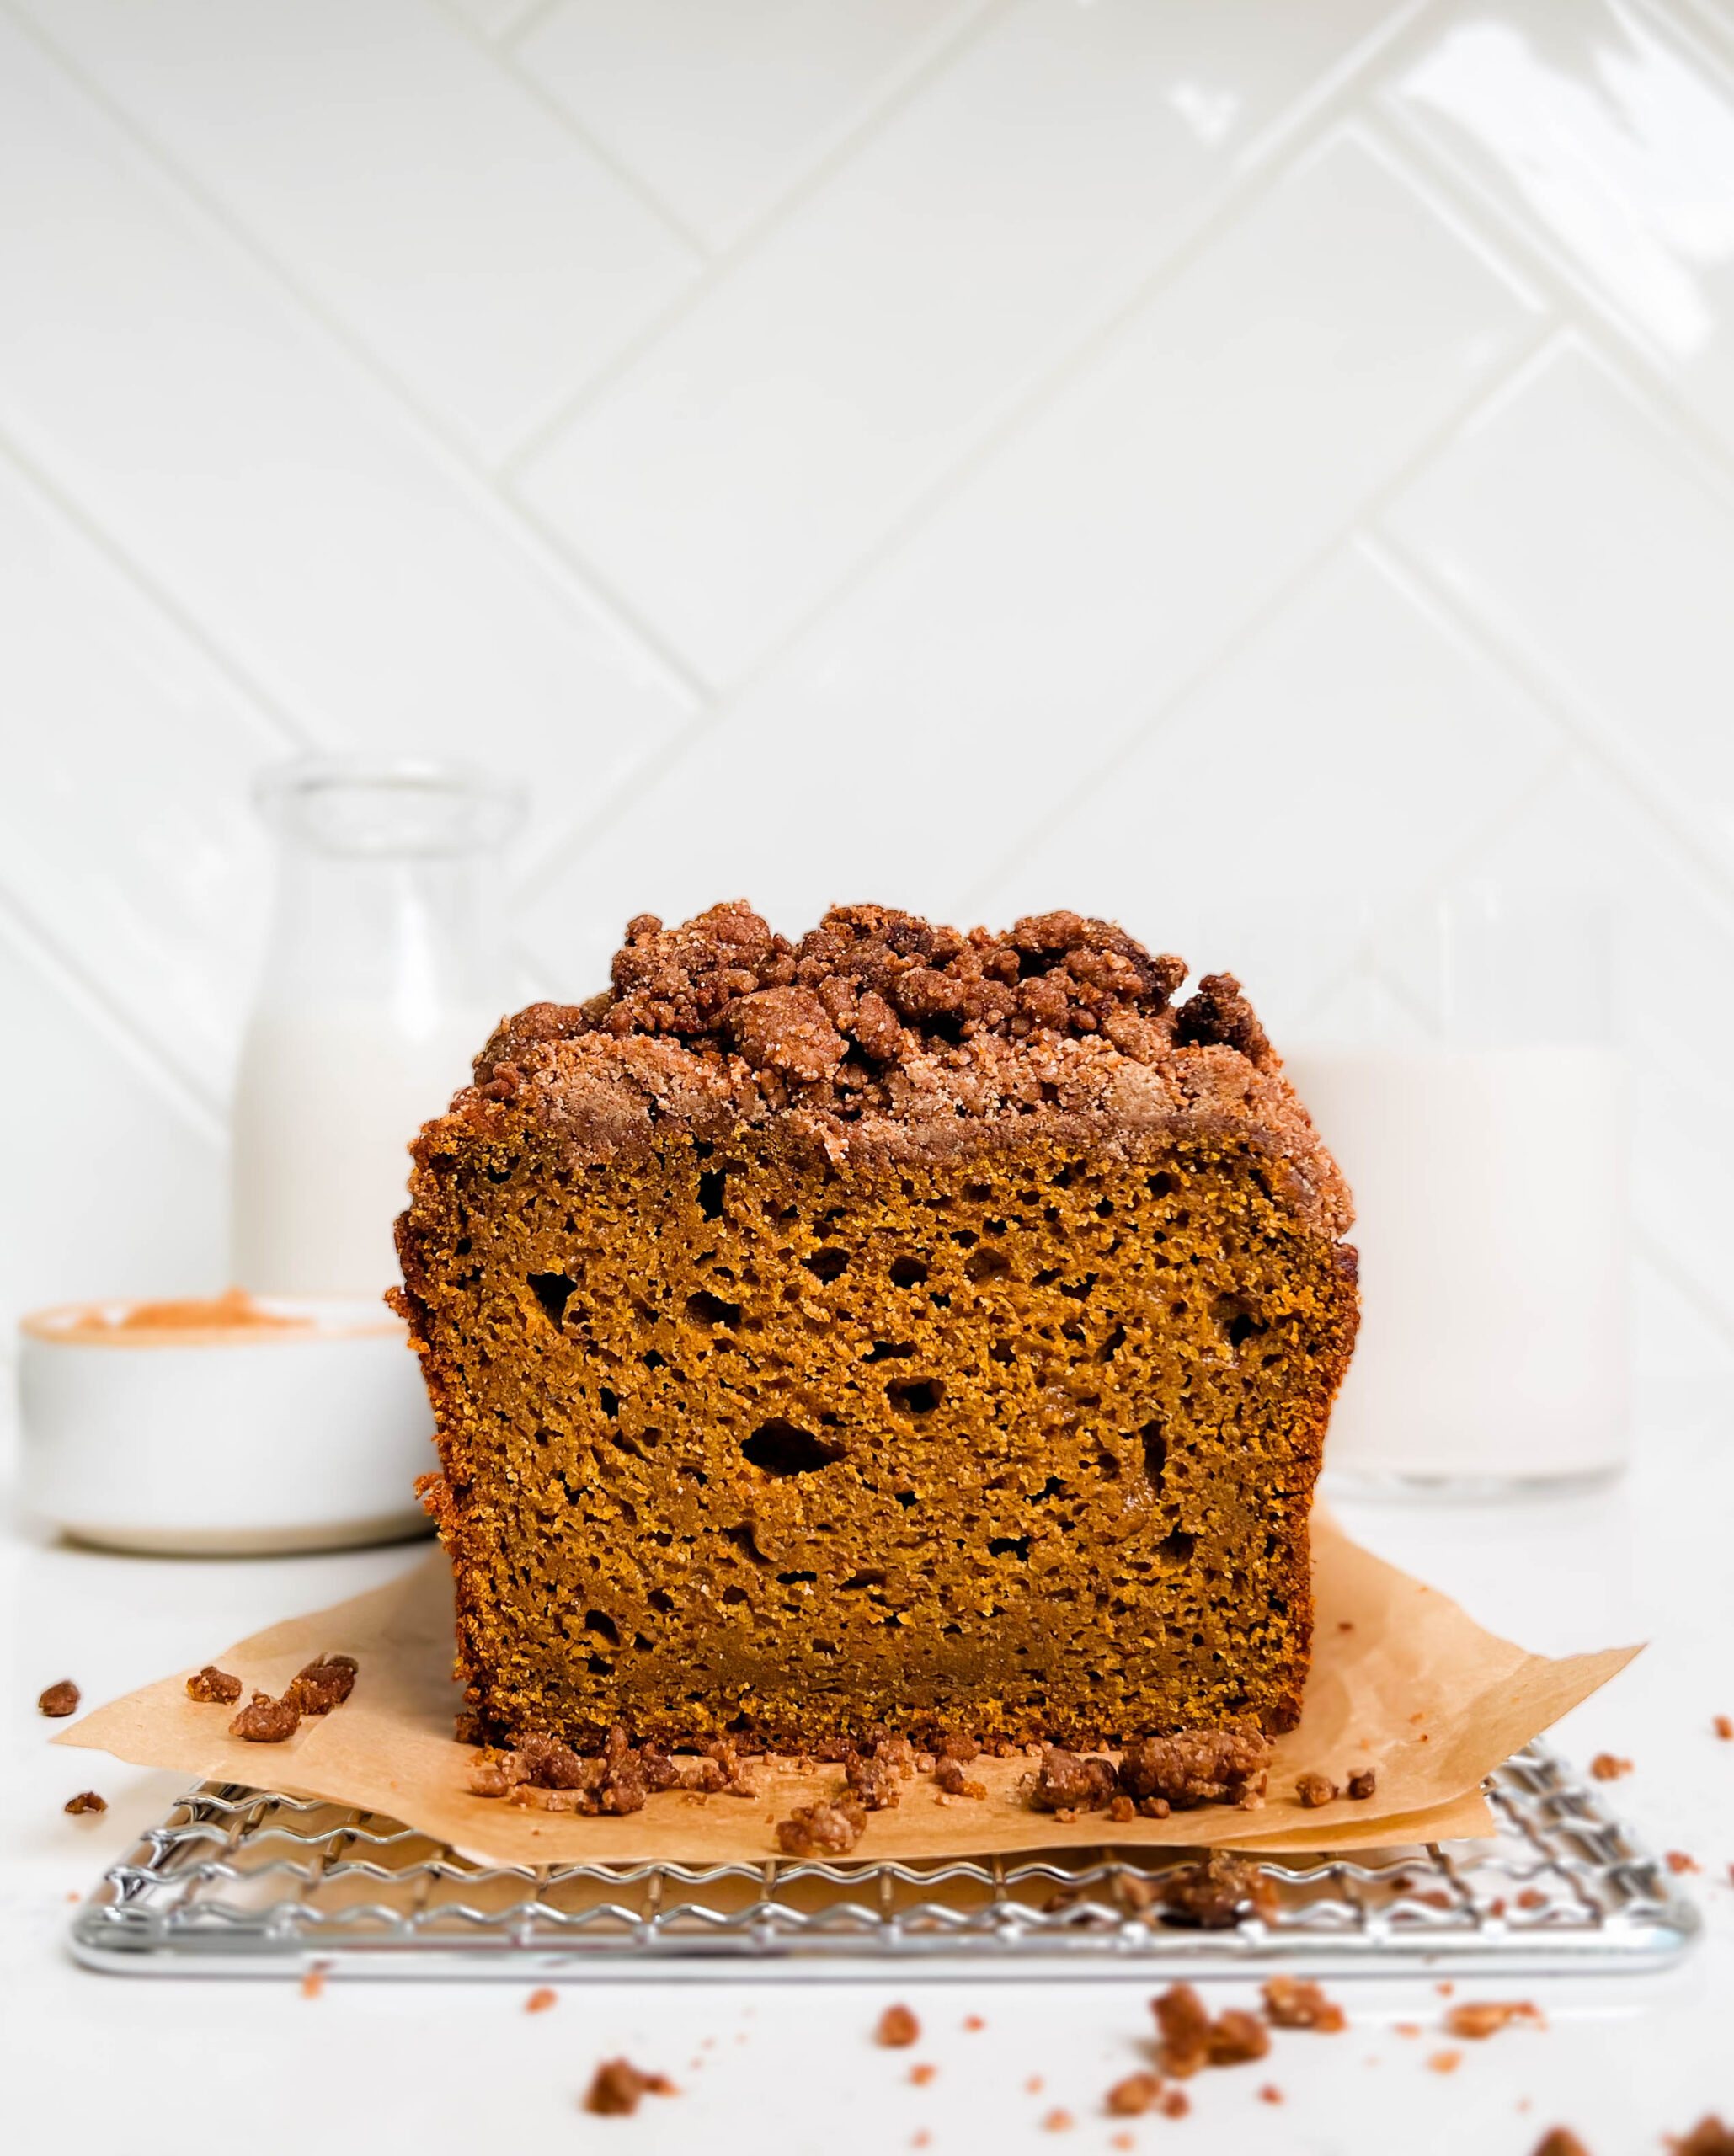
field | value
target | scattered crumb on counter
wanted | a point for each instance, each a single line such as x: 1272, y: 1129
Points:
x: 1481, y: 2018
x: 1709, y: 2138
x: 1560, y: 2141
x: 87, y: 1799
x: 1058, y: 2121
x: 1361, y: 1786
x: 974, y: 2021
x: 212, y: 1687
x: 1237, y: 2037
x: 1606, y: 1768
x: 62, y: 1699
x: 1183, y: 2026
x: 1270, y: 2094
x: 1190, y: 2039
x: 314, y: 1983
x: 540, y: 2000
x: 922, y: 2074
x: 1406, y: 2028
x: 1034, y: 2086
x: 1724, y: 1728
x: 1123, y: 2141
x: 1134, y: 2096
x: 1677, y: 1860
x: 1311, y: 1790
x: 1173, y: 2104
x: 1291, y: 2003
x: 896, y: 2027
x: 1445, y: 2061
x: 618, y: 2084
x: 1444, y: 1990
x: 1532, y: 1897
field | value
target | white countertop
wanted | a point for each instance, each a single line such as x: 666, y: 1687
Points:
x: 94, y: 2063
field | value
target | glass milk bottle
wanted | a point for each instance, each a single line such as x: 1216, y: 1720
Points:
x: 1469, y: 1089
x: 386, y: 970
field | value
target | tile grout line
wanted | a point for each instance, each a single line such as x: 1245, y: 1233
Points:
x: 1301, y: 123
x: 58, y: 503
x: 444, y: 447
x: 1512, y: 811
x: 562, y: 851
x: 1685, y: 1282
x: 1614, y: 343
x: 73, y: 983
x: 1598, y: 739
x: 500, y: 52
x: 1252, y: 624
x: 1238, y: 198
x: 721, y: 265
x: 526, y: 19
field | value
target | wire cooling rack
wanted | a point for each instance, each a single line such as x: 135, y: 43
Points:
x: 241, y: 1882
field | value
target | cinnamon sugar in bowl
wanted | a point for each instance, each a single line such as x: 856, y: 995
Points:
x: 229, y: 1425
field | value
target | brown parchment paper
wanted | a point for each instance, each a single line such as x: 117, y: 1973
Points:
x: 1403, y: 1681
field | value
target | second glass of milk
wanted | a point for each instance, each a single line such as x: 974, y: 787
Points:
x: 1461, y: 1069
x: 387, y: 968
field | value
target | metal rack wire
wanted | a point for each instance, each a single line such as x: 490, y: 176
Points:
x: 244, y: 1881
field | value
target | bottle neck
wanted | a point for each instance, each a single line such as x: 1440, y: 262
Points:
x: 418, y: 936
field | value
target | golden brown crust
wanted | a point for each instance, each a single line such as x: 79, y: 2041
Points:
x: 880, y: 1038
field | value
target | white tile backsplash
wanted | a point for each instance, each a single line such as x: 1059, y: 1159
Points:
x: 1108, y: 550
x: 1581, y: 525
x: 760, y: 447
x: 976, y: 453
x: 724, y: 109
x: 146, y: 866
x: 473, y: 245
x: 370, y: 591
x: 1608, y: 138
x: 1354, y: 742
x: 113, y: 1181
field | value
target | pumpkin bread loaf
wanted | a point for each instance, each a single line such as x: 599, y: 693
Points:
x: 898, y: 1327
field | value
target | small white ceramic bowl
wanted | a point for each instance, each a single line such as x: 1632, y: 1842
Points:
x: 291, y: 1422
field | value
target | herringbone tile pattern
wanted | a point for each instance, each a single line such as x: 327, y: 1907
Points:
x: 983, y: 453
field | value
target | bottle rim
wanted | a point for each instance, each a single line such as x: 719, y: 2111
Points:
x: 369, y: 806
